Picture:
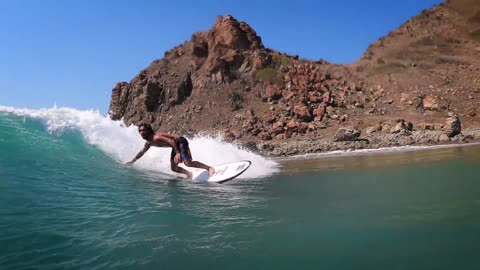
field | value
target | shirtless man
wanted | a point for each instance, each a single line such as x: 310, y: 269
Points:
x: 180, y: 150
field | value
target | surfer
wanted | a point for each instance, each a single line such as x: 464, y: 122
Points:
x: 180, y: 150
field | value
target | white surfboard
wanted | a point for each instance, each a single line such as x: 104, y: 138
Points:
x: 223, y: 172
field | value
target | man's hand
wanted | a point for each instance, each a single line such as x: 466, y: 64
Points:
x: 129, y: 163
x: 177, y: 158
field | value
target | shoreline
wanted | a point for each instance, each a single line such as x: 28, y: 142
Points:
x: 378, y: 143
x: 373, y: 151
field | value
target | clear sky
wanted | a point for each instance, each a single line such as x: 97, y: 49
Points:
x: 72, y: 52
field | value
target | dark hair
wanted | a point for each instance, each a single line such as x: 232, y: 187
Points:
x: 147, y: 126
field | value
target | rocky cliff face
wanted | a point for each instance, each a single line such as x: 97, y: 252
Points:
x: 225, y: 81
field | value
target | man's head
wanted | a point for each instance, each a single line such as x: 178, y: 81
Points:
x: 145, y: 130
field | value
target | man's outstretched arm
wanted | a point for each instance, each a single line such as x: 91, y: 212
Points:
x: 140, y: 154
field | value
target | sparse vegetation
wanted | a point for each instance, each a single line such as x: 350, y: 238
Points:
x: 475, y: 18
x: 268, y: 75
x: 360, y: 68
x: 245, y: 84
x: 388, y: 68
x: 236, y: 101
x: 368, y: 55
x: 475, y: 34
x: 419, y: 101
x: 426, y: 41
x: 448, y: 60
x: 381, y: 42
x: 216, y: 124
x: 447, y: 80
x: 452, y: 40
x: 281, y: 60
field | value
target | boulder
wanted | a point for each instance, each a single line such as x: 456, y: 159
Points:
x: 374, y: 129
x: 301, y: 110
x: 430, y: 103
x: 272, y: 92
x: 453, y: 126
x: 346, y: 134
x: 402, y: 127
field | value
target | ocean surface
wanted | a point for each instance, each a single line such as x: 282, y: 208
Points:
x: 67, y: 202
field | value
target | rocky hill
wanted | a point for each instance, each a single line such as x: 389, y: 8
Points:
x: 429, y: 65
x: 225, y: 81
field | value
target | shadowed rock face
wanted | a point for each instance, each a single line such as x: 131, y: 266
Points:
x: 224, y: 80
x: 118, y: 101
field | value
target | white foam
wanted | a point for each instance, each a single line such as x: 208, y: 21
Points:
x: 123, y: 143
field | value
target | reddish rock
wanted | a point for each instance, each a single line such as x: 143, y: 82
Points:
x: 319, y: 111
x: 430, y: 103
x: 314, y: 98
x: 292, y: 124
x: 302, y: 128
x: 288, y: 95
x: 472, y: 112
x: 275, y: 131
x: 427, y: 126
x: 265, y: 136
x: 326, y: 98
x: 269, y: 118
x: 373, y: 129
x: 279, y: 124
x: 301, y: 110
x: 272, y: 92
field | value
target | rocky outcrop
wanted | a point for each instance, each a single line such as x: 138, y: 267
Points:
x: 229, y: 46
x: 118, y: 101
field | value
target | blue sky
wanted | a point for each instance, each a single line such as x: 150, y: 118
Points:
x: 73, y: 52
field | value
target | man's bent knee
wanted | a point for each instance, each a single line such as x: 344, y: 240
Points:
x: 174, y: 167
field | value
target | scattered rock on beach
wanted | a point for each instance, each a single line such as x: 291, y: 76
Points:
x: 374, y: 129
x: 346, y: 134
x: 453, y: 126
x: 443, y: 138
x: 402, y: 127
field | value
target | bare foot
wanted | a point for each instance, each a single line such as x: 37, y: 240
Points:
x: 211, y: 171
x: 189, y: 175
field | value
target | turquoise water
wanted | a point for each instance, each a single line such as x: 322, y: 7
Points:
x: 67, y: 203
